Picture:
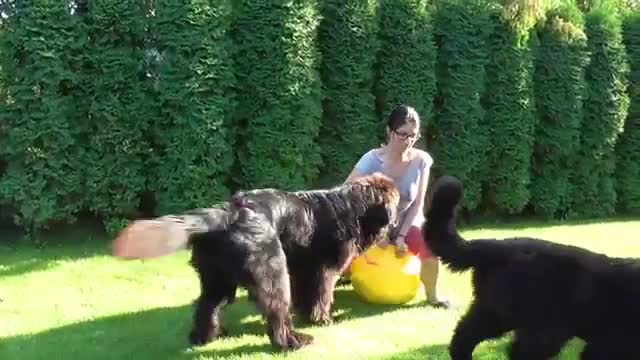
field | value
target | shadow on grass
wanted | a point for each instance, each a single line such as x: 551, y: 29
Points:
x: 348, y: 306
x: 430, y: 352
x: 155, y: 334
x: 162, y: 333
x: 25, y: 258
x: 20, y: 255
x: 496, y: 349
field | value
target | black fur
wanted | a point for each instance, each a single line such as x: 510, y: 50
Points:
x: 546, y: 292
x: 286, y: 248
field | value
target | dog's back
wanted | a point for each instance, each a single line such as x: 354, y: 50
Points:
x: 533, y: 285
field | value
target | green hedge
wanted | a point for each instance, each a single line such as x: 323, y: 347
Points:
x: 628, y: 148
x: 348, y: 42
x: 605, y: 110
x: 182, y: 102
x: 42, y: 140
x: 459, y: 137
x: 120, y: 96
x: 405, y: 69
x: 195, y: 102
x: 560, y: 87
x: 510, y: 115
x: 279, y: 109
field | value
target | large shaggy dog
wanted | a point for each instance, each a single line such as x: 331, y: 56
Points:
x: 548, y: 293
x: 286, y: 248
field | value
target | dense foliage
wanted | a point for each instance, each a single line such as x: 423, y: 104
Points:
x: 510, y: 116
x: 460, y: 135
x: 348, y: 43
x: 44, y: 138
x: 279, y: 111
x: 559, y: 87
x: 195, y: 95
x: 605, y: 110
x: 627, y: 174
x: 118, y: 92
x: 406, y: 61
x: 132, y: 108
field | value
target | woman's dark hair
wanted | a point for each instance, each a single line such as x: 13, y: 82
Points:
x: 401, y: 115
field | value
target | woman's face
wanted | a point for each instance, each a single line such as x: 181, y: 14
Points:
x: 404, y: 137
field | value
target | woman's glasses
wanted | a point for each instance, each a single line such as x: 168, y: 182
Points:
x: 405, y: 136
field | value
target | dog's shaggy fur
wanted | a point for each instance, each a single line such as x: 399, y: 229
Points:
x: 547, y: 292
x: 286, y: 248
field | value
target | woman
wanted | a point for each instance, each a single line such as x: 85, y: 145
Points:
x: 409, y: 168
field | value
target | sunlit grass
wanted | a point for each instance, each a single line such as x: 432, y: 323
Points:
x: 74, y: 301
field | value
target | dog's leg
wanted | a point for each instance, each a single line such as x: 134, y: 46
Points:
x: 476, y: 326
x: 321, y: 308
x: 537, y: 344
x: 313, y: 294
x: 215, y: 292
x: 321, y: 285
x: 206, y: 321
x: 273, y: 297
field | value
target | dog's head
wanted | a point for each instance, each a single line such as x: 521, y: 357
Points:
x: 381, y: 196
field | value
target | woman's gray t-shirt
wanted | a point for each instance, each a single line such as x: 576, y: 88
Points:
x: 407, y: 183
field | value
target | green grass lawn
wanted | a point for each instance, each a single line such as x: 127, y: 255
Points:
x: 73, y: 301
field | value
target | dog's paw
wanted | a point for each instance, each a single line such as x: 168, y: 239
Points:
x: 291, y: 340
x: 296, y: 340
x: 199, y: 337
x: 322, y: 320
x: 320, y: 316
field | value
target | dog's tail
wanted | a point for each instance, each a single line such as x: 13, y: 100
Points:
x: 440, y: 228
x: 165, y: 235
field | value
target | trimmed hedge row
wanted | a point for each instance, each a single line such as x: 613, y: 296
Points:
x: 627, y: 173
x: 605, y: 109
x: 279, y: 112
x: 349, y: 50
x: 195, y: 92
x: 509, y: 119
x: 134, y: 108
x: 405, y: 71
x: 559, y: 87
x: 44, y: 141
x: 462, y: 29
x: 119, y: 103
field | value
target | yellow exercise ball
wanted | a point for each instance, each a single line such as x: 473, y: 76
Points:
x: 379, y: 276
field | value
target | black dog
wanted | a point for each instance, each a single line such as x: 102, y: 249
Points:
x: 547, y: 292
x: 286, y: 248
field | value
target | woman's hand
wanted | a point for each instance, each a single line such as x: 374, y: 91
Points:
x: 401, y: 246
